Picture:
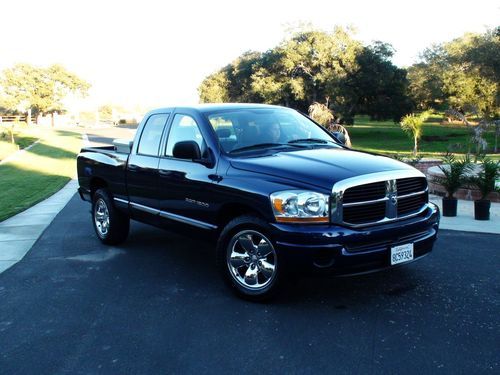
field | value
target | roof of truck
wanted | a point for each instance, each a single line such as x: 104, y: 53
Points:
x: 209, y: 107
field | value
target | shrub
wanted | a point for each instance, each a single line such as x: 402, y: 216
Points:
x: 455, y: 171
x: 485, y: 181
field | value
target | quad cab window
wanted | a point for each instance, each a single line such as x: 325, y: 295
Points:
x: 184, y: 128
x: 149, y: 142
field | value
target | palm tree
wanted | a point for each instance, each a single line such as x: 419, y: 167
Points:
x: 413, y: 124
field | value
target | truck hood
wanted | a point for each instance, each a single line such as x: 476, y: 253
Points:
x: 321, y: 167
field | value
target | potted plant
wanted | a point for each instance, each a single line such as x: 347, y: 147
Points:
x: 485, y: 182
x: 454, y: 176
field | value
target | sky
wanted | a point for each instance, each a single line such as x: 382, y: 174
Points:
x: 156, y: 53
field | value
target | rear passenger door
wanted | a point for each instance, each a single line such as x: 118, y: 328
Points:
x: 142, y: 168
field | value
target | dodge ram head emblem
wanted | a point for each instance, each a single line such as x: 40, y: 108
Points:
x: 394, y: 200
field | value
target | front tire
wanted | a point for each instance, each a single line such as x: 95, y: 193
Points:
x: 248, y: 260
x: 111, y: 226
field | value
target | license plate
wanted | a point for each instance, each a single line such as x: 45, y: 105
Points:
x: 401, y: 253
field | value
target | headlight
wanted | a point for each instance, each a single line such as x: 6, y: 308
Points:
x: 300, y: 206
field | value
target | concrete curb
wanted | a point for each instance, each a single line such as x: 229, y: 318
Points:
x: 85, y: 138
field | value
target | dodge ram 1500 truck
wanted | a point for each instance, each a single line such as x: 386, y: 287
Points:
x: 275, y: 190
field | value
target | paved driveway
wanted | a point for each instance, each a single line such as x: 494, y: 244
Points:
x: 156, y: 305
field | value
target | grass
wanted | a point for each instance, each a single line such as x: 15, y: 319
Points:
x: 385, y: 137
x: 23, y: 137
x: 39, y: 172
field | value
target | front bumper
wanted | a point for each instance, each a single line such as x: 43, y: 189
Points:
x: 345, y: 251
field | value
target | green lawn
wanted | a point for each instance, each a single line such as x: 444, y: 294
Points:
x: 23, y: 137
x: 39, y: 172
x: 387, y: 138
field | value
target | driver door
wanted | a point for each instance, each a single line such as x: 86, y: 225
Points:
x: 185, y: 186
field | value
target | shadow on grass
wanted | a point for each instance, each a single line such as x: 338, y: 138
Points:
x: 66, y: 133
x: 21, y: 188
x: 37, y: 174
x: 43, y: 149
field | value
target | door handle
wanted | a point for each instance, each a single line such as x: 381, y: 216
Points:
x: 164, y: 172
x: 133, y: 167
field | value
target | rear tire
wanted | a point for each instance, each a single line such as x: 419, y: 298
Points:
x: 248, y: 260
x: 111, y: 225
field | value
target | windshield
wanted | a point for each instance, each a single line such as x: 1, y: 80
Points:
x: 240, y: 129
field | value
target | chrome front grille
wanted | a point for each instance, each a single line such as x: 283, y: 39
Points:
x: 410, y: 185
x: 364, y: 213
x: 411, y: 204
x: 366, y: 192
x: 379, y: 198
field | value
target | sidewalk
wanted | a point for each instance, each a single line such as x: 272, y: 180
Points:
x: 464, y: 221
x: 20, y: 232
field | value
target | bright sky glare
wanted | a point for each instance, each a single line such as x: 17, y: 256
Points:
x: 156, y: 53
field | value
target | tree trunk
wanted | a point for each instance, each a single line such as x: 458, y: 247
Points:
x: 52, y: 119
x: 415, y: 147
x: 12, y: 140
x: 314, y: 89
x: 497, y: 130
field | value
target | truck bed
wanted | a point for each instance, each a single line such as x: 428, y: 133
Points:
x: 101, y: 149
x: 103, y: 161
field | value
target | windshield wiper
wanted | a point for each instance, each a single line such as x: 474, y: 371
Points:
x: 310, y: 140
x: 261, y: 145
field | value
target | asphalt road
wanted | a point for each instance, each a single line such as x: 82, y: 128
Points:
x: 156, y: 305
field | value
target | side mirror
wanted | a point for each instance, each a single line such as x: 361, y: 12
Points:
x: 187, y: 150
x: 340, y: 137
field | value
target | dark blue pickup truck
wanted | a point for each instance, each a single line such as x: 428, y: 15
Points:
x: 277, y: 192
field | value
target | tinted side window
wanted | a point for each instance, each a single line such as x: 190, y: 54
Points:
x: 151, y: 135
x: 184, y: 128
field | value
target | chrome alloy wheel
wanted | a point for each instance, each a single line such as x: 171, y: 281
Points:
x: 251, y: 259
x: 101, y: 217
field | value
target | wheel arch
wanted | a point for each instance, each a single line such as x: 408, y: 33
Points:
x: 230, y: 211
x: 97, y: 183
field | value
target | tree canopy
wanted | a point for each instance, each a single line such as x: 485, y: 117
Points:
x: 335, y: 69
x: 41, y: 89
x: 463, y: 74
x: 316, y: 66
